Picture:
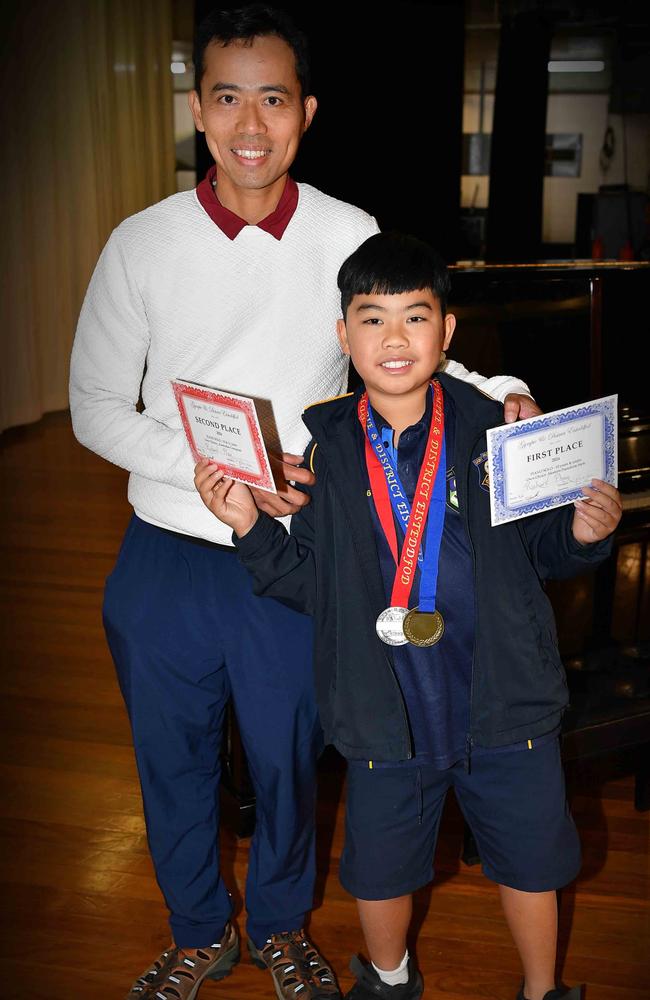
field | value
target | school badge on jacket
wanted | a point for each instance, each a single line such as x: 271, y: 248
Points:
x: 452, y: 490
x: 480, y: 463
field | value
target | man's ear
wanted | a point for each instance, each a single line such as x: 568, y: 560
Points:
x: 342, y: 334
x: 194, y: 102
x: 310, y: 104
x: 449, y: 327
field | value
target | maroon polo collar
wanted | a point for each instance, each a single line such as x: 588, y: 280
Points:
x: 231, y: 225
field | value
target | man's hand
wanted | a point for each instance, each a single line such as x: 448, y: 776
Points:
x: 287, y: 500
x: 598, y: 514
x: 227, y: 499
x: 517, y: 406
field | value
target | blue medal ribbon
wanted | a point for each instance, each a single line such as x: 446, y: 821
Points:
x: 435, y: 525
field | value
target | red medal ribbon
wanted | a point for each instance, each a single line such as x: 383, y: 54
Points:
x: 421, y: 500
x: 378, y: 486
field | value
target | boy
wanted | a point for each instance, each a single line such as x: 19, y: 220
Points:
x: 466, y: 689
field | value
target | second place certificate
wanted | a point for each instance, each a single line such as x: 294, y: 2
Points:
x: 225, y: 428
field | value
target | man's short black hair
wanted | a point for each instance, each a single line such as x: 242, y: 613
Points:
x: 246, y: 24
x: 392, y: 263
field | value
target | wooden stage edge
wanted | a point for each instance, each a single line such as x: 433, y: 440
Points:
x: 81, y: 911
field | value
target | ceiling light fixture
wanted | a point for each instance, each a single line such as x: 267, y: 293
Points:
x: 576, y: 66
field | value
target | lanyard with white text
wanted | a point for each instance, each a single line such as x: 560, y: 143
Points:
x: 396, y: 492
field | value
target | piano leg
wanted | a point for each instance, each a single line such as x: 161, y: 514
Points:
x: 604, y: 589
x: 641, y: 590
x: 642, y: 780
x: 620, y: 583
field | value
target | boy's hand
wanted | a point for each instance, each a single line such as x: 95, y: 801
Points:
x: 287, y: 500
x: 598, y: 514
x: 228, y: 500
x: 517, y: 406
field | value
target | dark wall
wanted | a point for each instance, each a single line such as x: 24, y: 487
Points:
x: 387, y: 135
x: 514, y: 221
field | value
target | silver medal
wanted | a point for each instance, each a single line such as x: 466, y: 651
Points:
x: 389, y: 626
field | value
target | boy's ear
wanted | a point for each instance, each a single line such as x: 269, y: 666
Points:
x: 449, y: 327
x: 342, y: 334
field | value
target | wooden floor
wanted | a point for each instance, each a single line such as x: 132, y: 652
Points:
x: 81, y: 911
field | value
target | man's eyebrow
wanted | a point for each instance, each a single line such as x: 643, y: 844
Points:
x: 421, y: 305
x: 370, y: 305
x: 276, y: 88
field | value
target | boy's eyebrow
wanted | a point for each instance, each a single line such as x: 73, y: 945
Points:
x: 276, y: 88
x: 414, y: 305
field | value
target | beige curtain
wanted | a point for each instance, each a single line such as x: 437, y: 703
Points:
x: 87, y: 135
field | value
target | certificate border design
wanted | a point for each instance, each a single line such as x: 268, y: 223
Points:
x: 497, y: 436
x: 265, y: 480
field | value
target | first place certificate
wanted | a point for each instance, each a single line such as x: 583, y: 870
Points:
x: 225, y: 428
x: 542, y: 463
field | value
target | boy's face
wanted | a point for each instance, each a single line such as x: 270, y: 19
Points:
x: 252, y: 111
x: 395, y: 341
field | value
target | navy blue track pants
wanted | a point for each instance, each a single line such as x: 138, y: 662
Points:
x: 186, y: 632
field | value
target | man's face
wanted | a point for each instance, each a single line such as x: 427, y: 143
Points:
x: 395, y: 340
x: 252, y: 111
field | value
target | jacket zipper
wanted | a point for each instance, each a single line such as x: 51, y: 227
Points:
x: 397, y: 687
x: 391, y: 449
x: 469, y: 739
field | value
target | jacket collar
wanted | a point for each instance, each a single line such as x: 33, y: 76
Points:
x: 335, y: 426
x: 476, y: 410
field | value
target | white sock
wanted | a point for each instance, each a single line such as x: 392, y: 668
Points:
x: 397, y: 976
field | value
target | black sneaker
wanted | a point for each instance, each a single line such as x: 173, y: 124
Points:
x: 557, y: 994
x: 369, y: 985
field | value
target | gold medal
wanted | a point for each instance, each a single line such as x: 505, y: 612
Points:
x: 423, y: 628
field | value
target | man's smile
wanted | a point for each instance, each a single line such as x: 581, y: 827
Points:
x: 250, y: 154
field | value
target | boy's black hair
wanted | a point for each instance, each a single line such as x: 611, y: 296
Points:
x: 392, y: 263
x: 245, y: 24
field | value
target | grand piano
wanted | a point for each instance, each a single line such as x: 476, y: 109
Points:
x: 574, y: 331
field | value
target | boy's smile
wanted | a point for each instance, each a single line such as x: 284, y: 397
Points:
x: 395, y: 343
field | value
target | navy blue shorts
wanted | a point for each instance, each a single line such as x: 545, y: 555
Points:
x: 514, y: 802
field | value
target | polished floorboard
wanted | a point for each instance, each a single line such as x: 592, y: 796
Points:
x: 81, y: 912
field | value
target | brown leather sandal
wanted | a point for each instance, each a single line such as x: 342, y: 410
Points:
x: 182, y: 980
x: 159, y: 966
x: 297, y: 968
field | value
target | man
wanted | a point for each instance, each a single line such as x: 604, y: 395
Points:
x: 232, y: 286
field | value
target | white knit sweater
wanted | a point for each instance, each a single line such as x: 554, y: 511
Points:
x: 173, y: 297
